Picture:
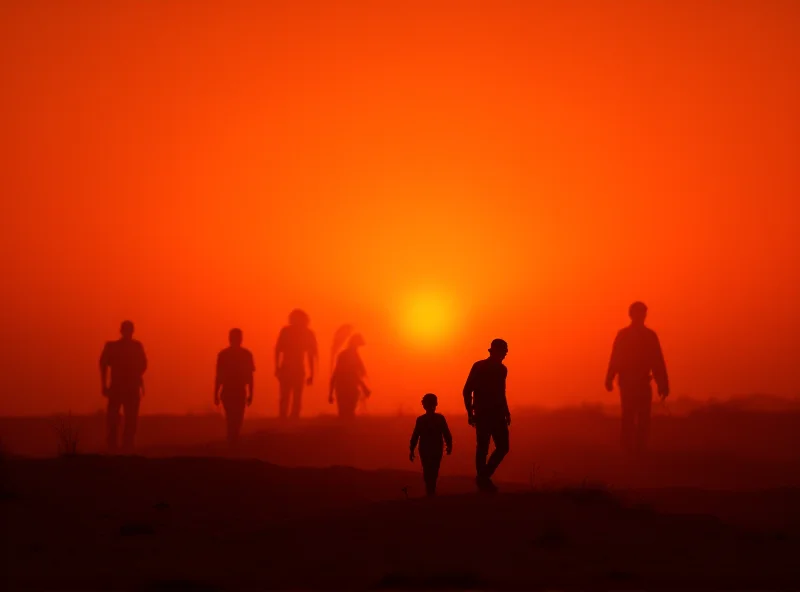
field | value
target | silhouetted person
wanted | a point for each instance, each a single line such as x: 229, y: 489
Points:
x: 636, y: 358
x: 432, y: 433
x: 295, y: 342
x: 347, y: 379
x: 127, y: 361
x: 487, y: 411
x: 234, y: 382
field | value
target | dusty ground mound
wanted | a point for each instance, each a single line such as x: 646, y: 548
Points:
x: 215, y: 524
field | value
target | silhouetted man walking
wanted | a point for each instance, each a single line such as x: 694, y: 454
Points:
x: 487, y: 411
x: 127, y: 362
x: 295, y: 342
x: 637, y: 359
x: 234, y: 379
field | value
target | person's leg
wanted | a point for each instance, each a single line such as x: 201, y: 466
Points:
x: 238, y: 418
x: 285, y: 394
x: 628, y: 402
x: 501, y: 445
x: 644, y: 405
x: 112, y: 422
x: 483, y: 434
x: 131, y: 409
x: 226, y: 406
x: 234, y: 416
x: 297, y: 396
x: 430, y: 472
x: 346, y: 401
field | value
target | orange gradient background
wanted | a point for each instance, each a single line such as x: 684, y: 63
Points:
x: 437, y: 173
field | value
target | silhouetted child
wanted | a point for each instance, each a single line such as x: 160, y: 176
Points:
x: 431, y: 432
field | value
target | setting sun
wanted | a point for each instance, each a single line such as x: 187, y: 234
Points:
x: 429, y: 318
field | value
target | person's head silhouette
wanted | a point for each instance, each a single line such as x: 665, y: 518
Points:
x: 235, y: 337
x: 498, y: 349
x: 126, y: 329
x: 299, y: 318
x: 430, y: 402
x: 638, y: 313
x: 356, y: 341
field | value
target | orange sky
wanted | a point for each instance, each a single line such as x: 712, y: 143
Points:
x: 515, y: 169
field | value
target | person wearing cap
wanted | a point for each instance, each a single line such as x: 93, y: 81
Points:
x: 233, y: 385
x: 126, y: 360
x: 487, y: 411
x: 296, y: 341
x: 432, y: 433
x: 347, y: 380
x: 636, y: 359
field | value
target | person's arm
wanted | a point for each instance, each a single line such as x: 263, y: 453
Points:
x: 251, y: 382
x: 332, y: 385
x: 104, y: 371
x: 613, y: 365
x: 505, y: 399
x: 142, y: 368
x: 448, y: 437
x: 217, y: 382
x: 362, y: 372
x: 469, y: 387
x: 312, y: 356
x: 278, y: 350
x: 414, y: 440
x: 660, y: 368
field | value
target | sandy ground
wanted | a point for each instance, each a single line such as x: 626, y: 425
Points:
x: 716, y: 504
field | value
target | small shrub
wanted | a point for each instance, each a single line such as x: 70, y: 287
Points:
x: 67, y: 434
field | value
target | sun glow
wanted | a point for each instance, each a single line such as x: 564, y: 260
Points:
x: 429, y: 318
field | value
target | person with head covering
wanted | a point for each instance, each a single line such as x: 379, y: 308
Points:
x: 296, y: 342
x: 126, y: 361
x: 487, y: 411
x: 233, y: 385
x: 636, y: 359
x: 347, y: 380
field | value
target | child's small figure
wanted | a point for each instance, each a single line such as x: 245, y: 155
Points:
x: 431, y: 430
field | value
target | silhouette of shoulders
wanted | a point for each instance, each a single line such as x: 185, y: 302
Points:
x: 350, y: 359
x: 432, y: 424
x: 235, y: 367
x: 636, y: 330
x: 236, y: 355
x: 431, y: 418
x: 489, y: 365
x: 299, y: 338
x: 121, y: 348
x: 637, y: 334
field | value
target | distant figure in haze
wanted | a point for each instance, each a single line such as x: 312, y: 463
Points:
x: 347, y: 379
x: 636, y: 358
x: 431, y: 432
x: 487, y: 411
x: 127, y: 362
x: 234, y: 382
x: 295, y: 342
